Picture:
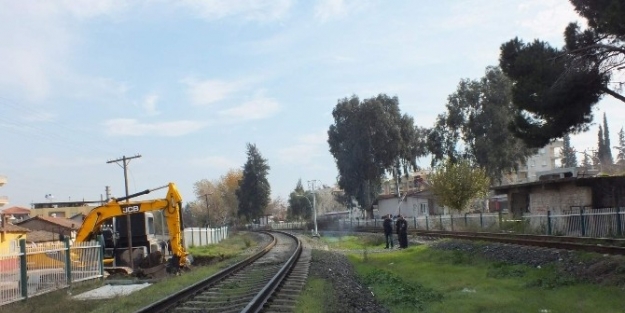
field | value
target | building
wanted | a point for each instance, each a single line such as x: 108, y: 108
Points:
x: 57, y: 225
x: 4, y: 200
x: 63, y: 209
x: 413, y: 181
x: 17, y: 214
x: 563, y: 194
x: 9, y: 235
x: 544, y: 160
x: 414, y: 204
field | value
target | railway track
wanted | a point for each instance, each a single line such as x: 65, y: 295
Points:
x: 598, y: 245
x: 268, y: 281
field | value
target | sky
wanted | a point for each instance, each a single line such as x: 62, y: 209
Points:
x: 187, y: 84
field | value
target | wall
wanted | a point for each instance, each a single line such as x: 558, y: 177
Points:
x: 409, y: 208
x: 61, y: 211
x: 558, y: 198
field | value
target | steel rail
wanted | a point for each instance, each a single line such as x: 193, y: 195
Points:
x: 257, y: 303
x: 170, y: 301
x: 598, y: 245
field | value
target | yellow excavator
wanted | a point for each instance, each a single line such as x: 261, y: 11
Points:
x: 111, y: 219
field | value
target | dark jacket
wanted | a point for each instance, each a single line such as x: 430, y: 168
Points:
x: 388, y: 226
x: 401, y: 226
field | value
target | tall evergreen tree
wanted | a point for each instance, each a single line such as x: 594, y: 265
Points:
x: 299, y: 207
x: 607, y: 147
x: 600, y: 146
x: 586, y: 162
x: 569, y: 159
x: 254, y: 190
x: 620, y: 157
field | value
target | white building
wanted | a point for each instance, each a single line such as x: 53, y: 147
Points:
x: 544, y: 160
x: 3, y: 199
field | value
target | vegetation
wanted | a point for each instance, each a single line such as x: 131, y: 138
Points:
x: 456, y: 184
x: 254, y: 189
x: 369, y: 138
x: 548, y: 79
x: 569, y: 159
x: 300, y: 203
x: 216, y: 201
x: 315, y: 296
x: 478, y: 114
x: 604, y: 151
x: 457, y: 281
x: 620, y: 157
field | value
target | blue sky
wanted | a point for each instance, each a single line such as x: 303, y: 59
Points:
x: 187, y: 84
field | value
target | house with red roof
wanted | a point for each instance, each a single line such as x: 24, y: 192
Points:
x: 58, y: 225
x: 16, y: 213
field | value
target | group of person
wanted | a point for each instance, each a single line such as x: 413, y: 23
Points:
x: 401, y: 228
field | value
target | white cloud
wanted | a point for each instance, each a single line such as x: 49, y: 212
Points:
x: 258, y: 108
x: 132, y: 127
x: 306, y: 150
x: 207, y: 92
x: 37, y: 37
x: 217, y: 162
x: 549, y: 23
x: 255, y: 10
x: 149, y: 104
x: 333, y: 9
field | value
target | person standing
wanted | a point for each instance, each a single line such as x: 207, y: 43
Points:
x: 388, y: 231
x: 402, y: 232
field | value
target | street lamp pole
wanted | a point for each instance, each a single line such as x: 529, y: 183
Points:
x: 311, y: 184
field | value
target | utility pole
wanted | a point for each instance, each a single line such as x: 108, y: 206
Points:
x: 311, y: 185
x: 125, y: 161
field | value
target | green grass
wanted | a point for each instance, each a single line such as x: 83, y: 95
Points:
x: 61, y: 301
x: 354, y: 242
x: 315, y: 297
x: 452, y: 281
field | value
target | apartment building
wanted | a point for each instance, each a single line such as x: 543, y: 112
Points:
x: 4, y: 200
x: 544, y: 160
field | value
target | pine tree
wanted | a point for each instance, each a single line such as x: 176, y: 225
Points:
x: 568, y: 153
x: 600, y: 147
x: 586, y: 163
x: 620, y: 157
x: 254, y: 190
x: 607, y: 149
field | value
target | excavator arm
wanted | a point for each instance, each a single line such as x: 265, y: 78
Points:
x: 171, y: 206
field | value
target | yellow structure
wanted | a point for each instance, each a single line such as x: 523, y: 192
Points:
x: 3, y: 199
x: 10, y: 234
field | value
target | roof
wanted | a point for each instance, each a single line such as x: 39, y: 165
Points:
x: 60, y: 221
x: 41, y: 236
x: 82, y: 217
x: 16, y: 210
x: 10, y: 228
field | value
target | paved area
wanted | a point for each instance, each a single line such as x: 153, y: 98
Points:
x: 110, y: 291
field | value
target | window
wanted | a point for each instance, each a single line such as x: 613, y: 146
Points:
x: 14, y: 246
x: 424, y: 209
x: 150, y: 222
x: 541, y: 151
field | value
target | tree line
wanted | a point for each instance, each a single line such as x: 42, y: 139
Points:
x: 536, y: 94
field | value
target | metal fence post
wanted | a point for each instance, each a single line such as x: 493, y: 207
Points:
x: 549, y: 222
x: 619, y: 227
x: 101, y: 256
x: 415, y: 222
x: 23, y: 269
x: 481, y: 221
x: 466, y: 223
x: 581, y: 220
x: 68, y: 261
x: 451, y: 221
x: 441, y: 218
x: 500, y: 217
x: 427, y: 224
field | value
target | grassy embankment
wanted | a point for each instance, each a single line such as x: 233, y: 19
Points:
x: 221, y: 255
x: 421, y: 279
